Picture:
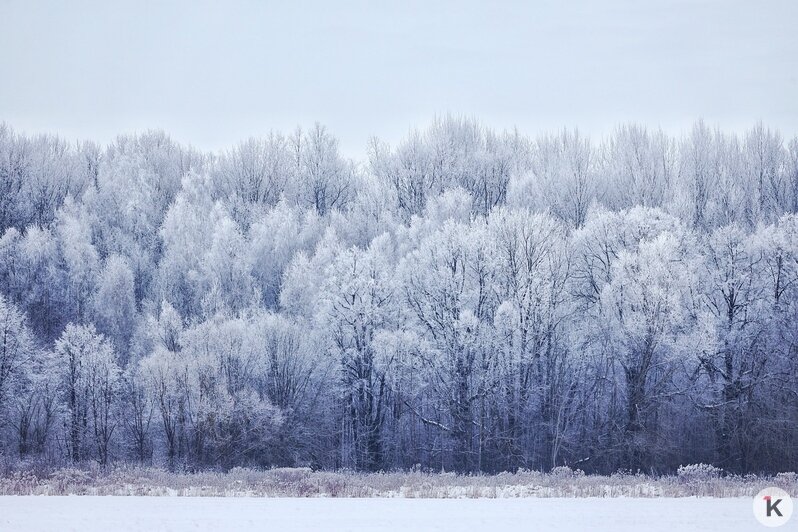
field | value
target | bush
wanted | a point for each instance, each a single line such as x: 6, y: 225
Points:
x: 19, y: 482
x: 698, y: 472
x: 70, y: 480
x: 566, y: 472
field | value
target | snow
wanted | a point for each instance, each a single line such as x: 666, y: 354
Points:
x: 177, y: 514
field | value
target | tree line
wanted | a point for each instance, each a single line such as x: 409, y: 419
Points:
x: 466, y: 300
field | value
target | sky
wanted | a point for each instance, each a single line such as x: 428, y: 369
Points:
x: 214, y: 73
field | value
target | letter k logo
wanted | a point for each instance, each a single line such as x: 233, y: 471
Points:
x: 772, y: 506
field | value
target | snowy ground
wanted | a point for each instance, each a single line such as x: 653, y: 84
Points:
x: 99, y: 514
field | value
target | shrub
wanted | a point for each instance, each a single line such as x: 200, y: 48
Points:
x: 566, y: 472
x: 65, y: 480
x: 698, y: 472
x: 19, y: 482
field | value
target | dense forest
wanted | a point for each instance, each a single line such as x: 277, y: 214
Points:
x: 467, y: 300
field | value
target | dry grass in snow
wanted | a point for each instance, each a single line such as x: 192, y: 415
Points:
x: 701, y: 481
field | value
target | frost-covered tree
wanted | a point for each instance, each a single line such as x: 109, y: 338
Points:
x: 648, y: 313
x: 186, y: 236
x: 226, y: 284
x: 565, y: 179
x: 78, y: 259
x: 115, y: 302
x: 253, y: 175
x: 89, y: 384
x: 533, y: 259
x: 733, y: 290
x: 16, y: 350
x: 36, y: 176
x: 356, y: 301
x: 447, y: 288
x: 766, y: 185
x: 640, y: 167
x: 323, y: 179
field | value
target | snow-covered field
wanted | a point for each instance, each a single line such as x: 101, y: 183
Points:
x: 178, y: 514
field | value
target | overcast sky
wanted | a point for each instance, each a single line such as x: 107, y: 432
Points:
x: 213, y: 73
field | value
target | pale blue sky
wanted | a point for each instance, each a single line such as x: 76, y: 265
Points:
x: 213, y: 73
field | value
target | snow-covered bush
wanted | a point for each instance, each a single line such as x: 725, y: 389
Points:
x: 566, y: 472
x: 69, y: 479
x: 18, y: 482
x: 698, y: 472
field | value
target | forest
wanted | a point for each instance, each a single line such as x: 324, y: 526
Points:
x: 467, y: 300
